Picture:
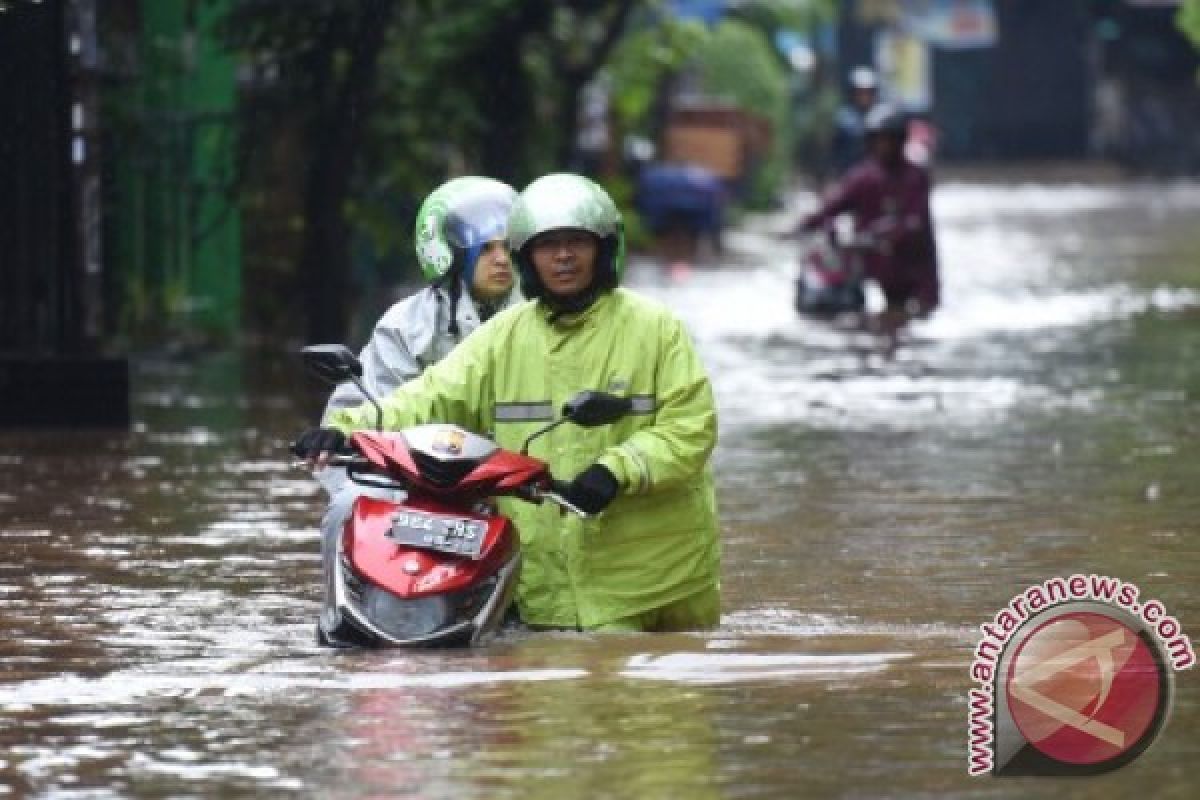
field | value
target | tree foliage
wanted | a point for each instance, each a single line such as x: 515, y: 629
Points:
x: 356, y: 109
x: 1189, y: 20
x: 386, y: 98
x: 644, y: 59
x: 738, y: 64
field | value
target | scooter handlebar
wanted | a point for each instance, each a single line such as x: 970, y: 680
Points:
x: 536, y: 493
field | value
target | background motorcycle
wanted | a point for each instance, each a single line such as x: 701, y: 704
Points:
x: 830, y: 282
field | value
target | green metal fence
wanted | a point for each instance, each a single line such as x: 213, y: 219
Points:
x: 174, y: 232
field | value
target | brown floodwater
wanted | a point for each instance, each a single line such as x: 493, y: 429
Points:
x: 159, y: 587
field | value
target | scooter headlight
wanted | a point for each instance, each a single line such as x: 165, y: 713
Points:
x: 406, y: 618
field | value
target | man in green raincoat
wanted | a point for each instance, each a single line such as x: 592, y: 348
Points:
x: 649, y: 557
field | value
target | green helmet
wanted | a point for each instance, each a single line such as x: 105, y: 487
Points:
x: 456, y: 220
x: 563, y: 200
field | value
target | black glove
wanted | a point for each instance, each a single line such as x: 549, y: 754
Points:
x: 591, y: 491
x: 315, y: 441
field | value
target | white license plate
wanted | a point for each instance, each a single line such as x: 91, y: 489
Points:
x: 463, y: 537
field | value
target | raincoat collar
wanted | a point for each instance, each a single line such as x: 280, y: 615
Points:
x: 471, y: 312
x: 557, y: 319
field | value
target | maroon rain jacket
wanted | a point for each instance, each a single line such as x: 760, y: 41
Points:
x: 893, y: 205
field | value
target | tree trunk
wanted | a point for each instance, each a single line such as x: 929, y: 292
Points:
x: 509, y: 96
x: 336, y: 135
x: 509, y: 101
x: 568, y: 119
x: 574, y: 77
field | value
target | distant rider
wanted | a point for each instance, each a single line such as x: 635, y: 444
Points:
x: 848, y: 145
x: 649, y: 559
x: 888, y: 198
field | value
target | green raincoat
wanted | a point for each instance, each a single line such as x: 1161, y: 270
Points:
x: 657, y: 542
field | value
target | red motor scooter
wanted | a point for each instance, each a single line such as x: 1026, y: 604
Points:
x: 439, y: 566
x: 833, y: 272
x: 830, y: 280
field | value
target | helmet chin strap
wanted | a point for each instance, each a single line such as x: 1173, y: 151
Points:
x: 451, y: 281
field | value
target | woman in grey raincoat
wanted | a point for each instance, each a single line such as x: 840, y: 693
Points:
x: 460, y: 243
x: 462, y: 249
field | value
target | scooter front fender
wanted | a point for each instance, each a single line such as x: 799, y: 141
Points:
x: 469, y: 631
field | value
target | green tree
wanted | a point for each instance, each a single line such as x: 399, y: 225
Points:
x: 734, y: 60
x: 738, y: 63
x: 318, y: 64
x: 643, y: 65
x: 391, y: 96
x: 1188, y: 20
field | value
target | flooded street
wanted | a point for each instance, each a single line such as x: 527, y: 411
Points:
x: 159, y: 588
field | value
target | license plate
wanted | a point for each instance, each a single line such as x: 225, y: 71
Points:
x: 463, y: 537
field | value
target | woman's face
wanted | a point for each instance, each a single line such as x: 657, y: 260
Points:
x: 565, y: 260
x: 493, y: 271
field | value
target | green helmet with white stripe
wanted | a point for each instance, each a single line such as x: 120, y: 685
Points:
x: 562, y: 201
x: 456, y: 220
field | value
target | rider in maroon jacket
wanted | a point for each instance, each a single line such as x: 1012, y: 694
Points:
x: 888, y: 197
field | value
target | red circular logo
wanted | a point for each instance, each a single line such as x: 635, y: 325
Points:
x: 1084, y: 688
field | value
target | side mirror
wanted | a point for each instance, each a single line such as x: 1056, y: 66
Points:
x: 591, y: 409
x: 588, y: 409
x: 332, y: 363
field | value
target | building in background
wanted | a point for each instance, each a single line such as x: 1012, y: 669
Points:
x: 53, y: 318
x: 1023, y: 79
x: 118, y: 225
x: 1146, y: 104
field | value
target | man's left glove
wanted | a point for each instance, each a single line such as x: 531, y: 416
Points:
x: 315, y: 441
x: 591, y: 491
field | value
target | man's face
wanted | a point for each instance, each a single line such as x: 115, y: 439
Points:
x: 493, y: 271
x: 565, y: 260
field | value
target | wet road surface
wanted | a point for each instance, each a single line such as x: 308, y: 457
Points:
x: 159, y: 588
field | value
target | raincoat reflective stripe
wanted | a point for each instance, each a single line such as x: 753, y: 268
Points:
x: 524, y: 412
x: 643, y: 404
x: 657, y: 543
